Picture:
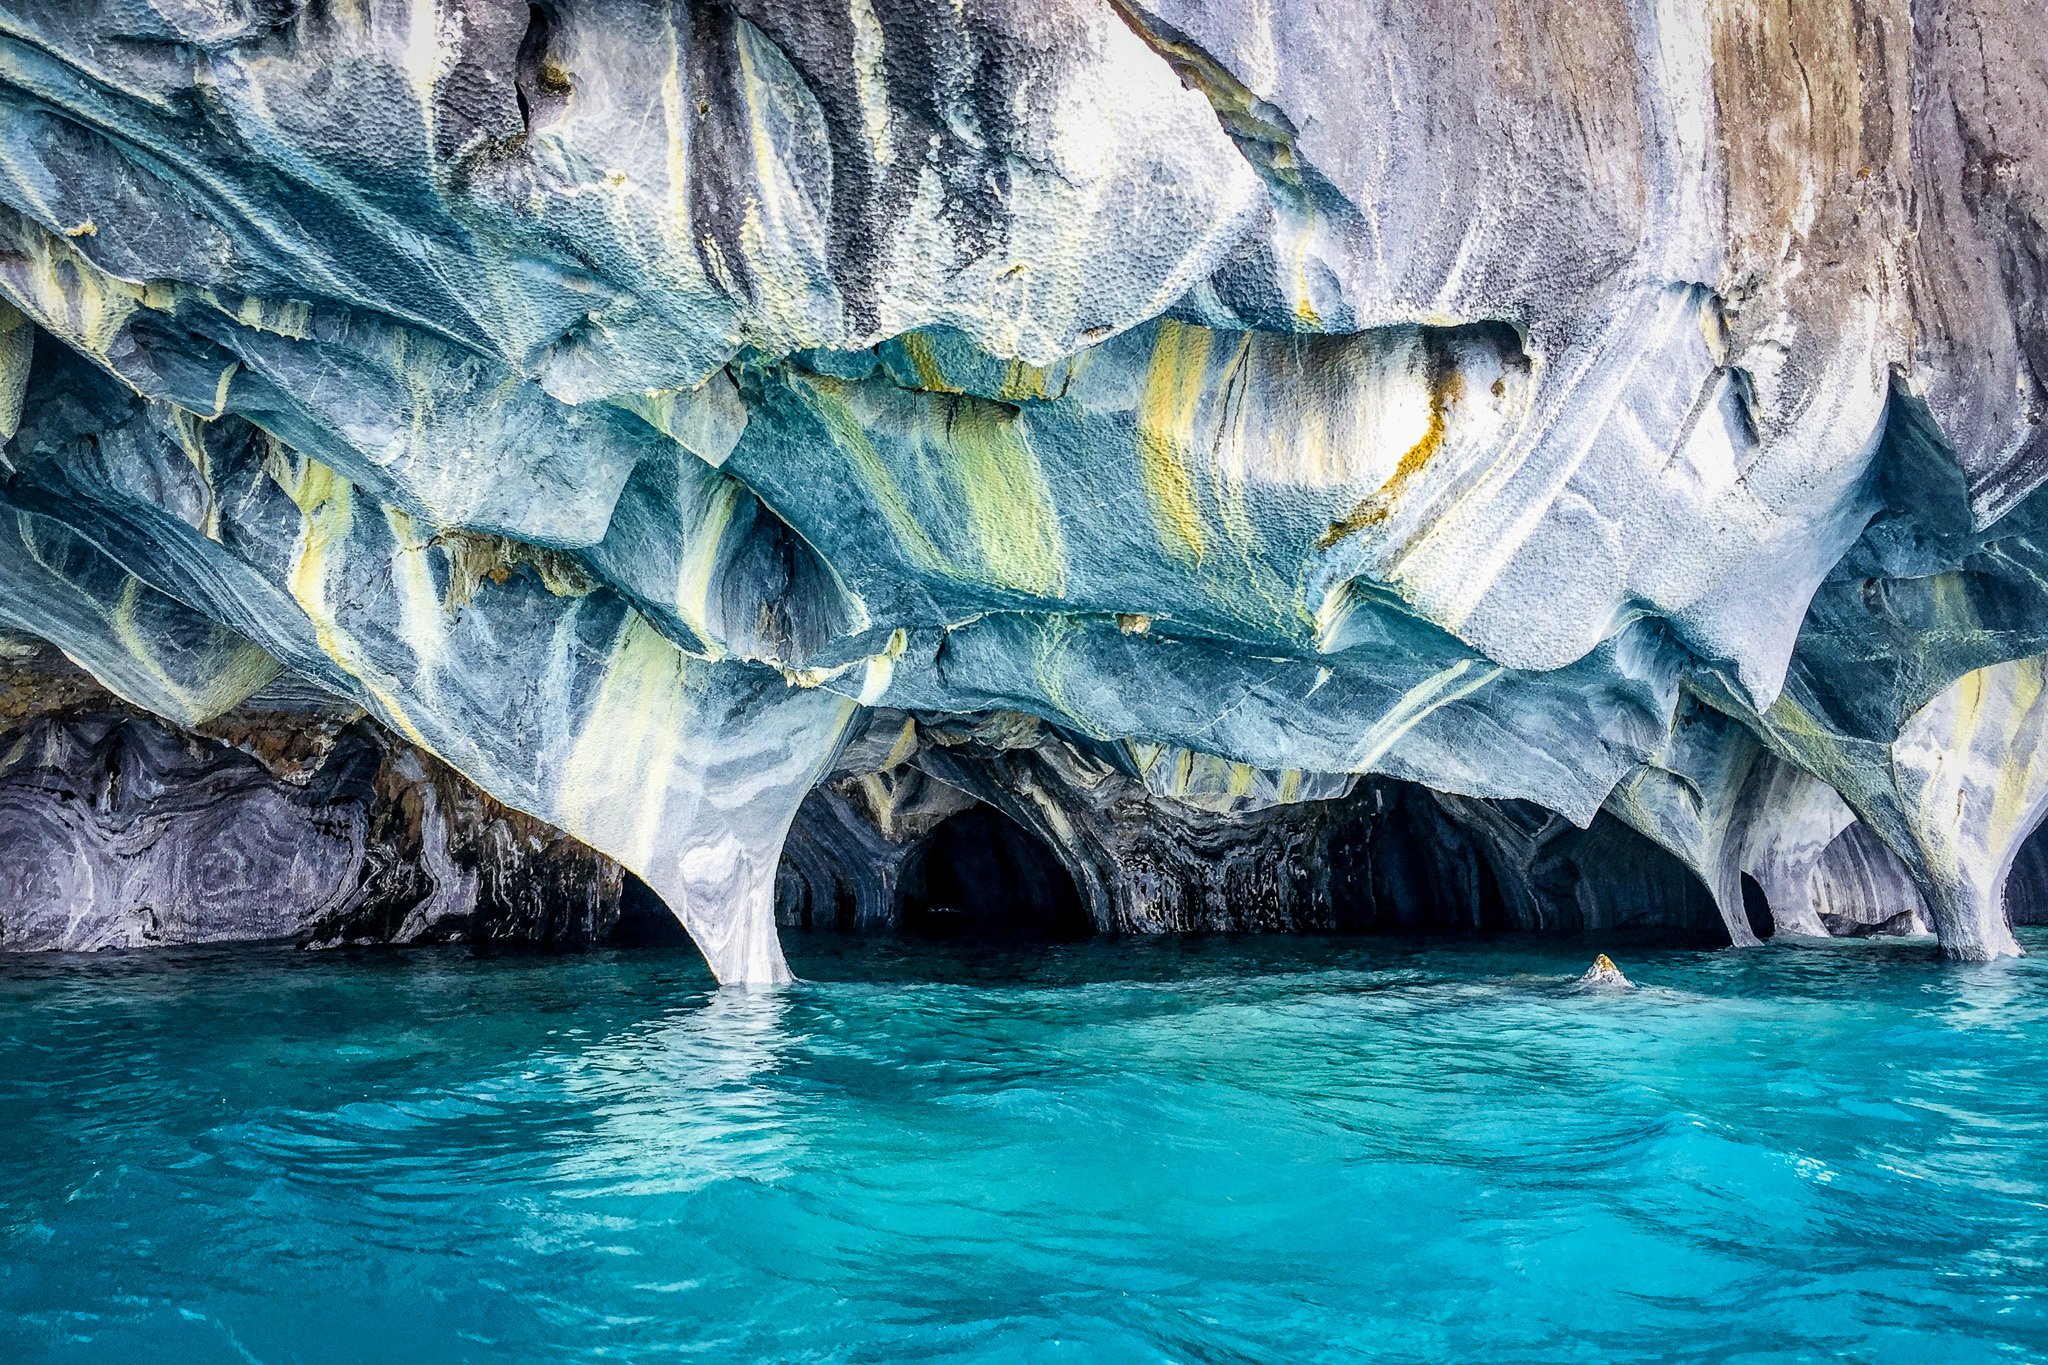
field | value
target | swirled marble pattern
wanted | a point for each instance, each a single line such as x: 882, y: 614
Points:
x: 1576, y: 428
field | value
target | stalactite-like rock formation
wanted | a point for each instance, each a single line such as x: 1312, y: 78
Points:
x: 1572, y: 465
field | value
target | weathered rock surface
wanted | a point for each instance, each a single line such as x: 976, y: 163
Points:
x: 1181, y: 842
x: 1568, y: 466
x: 304, y: 825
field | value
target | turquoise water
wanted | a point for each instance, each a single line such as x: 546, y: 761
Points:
x: 1216, y: 1150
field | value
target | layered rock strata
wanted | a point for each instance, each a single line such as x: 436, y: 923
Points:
x: 1625, y: 422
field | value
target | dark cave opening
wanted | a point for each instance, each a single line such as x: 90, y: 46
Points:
x: 645, y: 921
x: 1392, y: 858
x: 2026, y: 882
x: 983, y: 876
x: 1756, y: 908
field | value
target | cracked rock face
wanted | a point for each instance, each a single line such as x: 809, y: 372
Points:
x: 1576, y: 464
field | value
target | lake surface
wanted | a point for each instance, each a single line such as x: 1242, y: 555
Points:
x: 1201, y: 1150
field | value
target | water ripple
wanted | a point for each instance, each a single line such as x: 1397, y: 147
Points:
x: 1193, y: 1150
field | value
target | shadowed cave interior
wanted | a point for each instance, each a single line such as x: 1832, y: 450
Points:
x: 980, y: 875
x: 2026, y: 885
x: 1392, y: 859
x: 975, y: 837
x: 1756, y: 908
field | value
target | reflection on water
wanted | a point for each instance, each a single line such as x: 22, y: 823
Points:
x: 684, y: 1101
x: 1251, y: 1149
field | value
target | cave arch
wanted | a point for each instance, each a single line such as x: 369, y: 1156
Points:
x: 981, y: 875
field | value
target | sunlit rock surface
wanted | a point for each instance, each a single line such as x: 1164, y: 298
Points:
x: 1567, y: 466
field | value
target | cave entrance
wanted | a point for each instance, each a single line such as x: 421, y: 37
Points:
x: 2026, y: 881
x: 645, y: 921
x: 981, y: 875
x: 1756, y: 908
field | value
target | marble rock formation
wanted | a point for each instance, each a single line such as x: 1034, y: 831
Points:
x: 290, y: 819
x: 1262, y: 456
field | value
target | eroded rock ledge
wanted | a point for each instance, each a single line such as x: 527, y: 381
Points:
x: 1210, y: 438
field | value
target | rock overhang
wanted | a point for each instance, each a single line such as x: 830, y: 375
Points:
x: 622, y: 401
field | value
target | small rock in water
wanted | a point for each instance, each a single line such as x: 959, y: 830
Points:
x: 1604, y: 975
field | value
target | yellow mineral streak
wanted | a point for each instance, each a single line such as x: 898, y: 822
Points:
x: 71, y: 296
x: 1054, y: 638
x: 425, y: 54
x: 2018, y: 780
x: 1236, y: 106
x: 1166, y: 425
x: 326, y: 506
x: 924, y: 363
x: 1026, y: 383
x: 905, y: 745
x: 676, y: 228
x: 699, y: 565
x: 616, y: 783
x: 1242, y: 450
x: 246, y: 671
x: 1022, y: 382
x: 830, y: 401
x: 1994, y: 717
x: 422, y: 620
x: 1446, y: 386
x: 326, y: 503
x: 2021, y: 777
x: 221, y: 388
x: 777, y: 249
x: 1304, y: 251
x: 876, y: 669
x: 1048, y: 806
x: 880, y: 669
x: 1951, y: 602
x: 1337, y: 608
x: 1009, y: 506
x: 190, y: 429
x: 285, y: 317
